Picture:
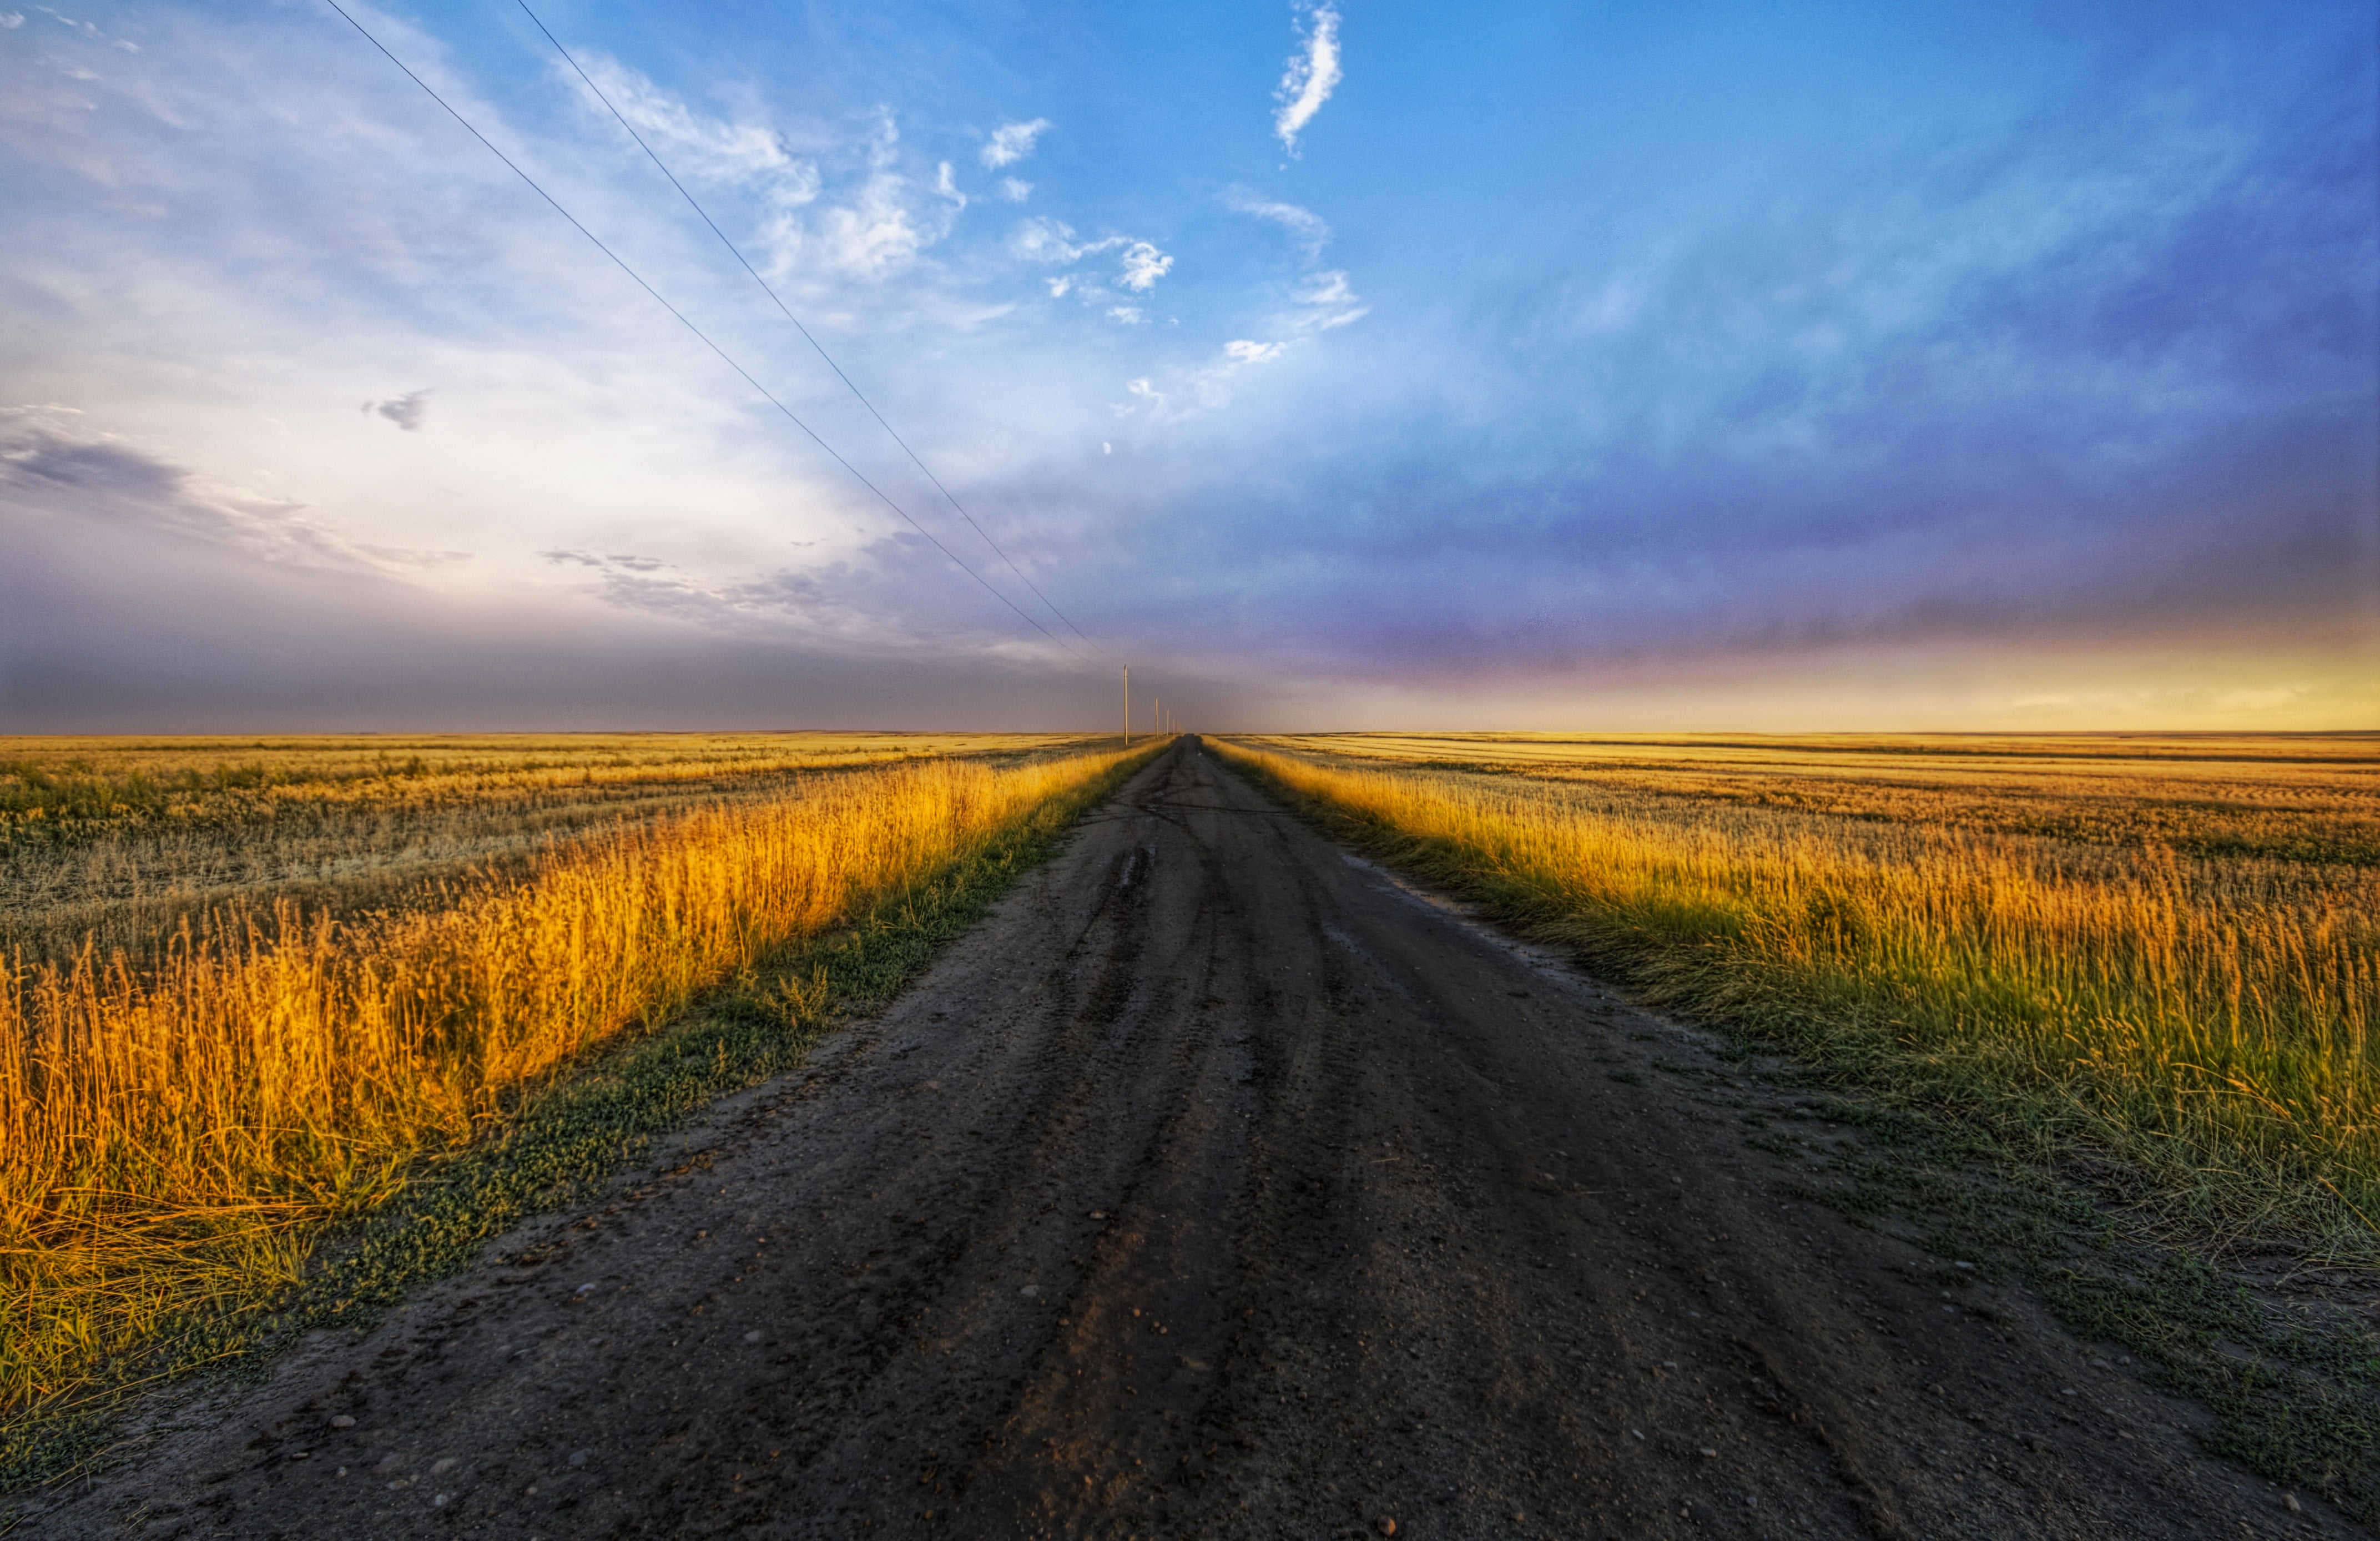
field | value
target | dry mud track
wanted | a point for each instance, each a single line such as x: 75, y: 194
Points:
x: 1218, y: 1185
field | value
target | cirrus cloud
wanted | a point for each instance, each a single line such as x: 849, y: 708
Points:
x: 1312, y: 75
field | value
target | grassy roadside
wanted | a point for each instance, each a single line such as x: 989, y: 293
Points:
x: 565, y: 1140
x: 1977, y: 1164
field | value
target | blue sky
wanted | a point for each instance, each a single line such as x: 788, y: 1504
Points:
x: 1689, y: 366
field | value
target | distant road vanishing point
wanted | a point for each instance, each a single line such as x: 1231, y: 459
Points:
x: 1218, y: 1186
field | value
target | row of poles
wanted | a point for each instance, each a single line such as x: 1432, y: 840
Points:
x: 1160, y: 721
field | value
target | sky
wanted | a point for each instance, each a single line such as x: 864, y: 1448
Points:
x: 2004, y: 366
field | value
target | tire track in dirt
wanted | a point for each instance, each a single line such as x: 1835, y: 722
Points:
x: 1217, y: 1186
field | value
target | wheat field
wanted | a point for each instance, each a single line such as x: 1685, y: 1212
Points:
x: 113, y: 843
x: 182, y: 1120
x: 2167, y: 949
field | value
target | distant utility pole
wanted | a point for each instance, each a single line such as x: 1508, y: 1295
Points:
x: 1127, y: 706
x: 1156, y: 714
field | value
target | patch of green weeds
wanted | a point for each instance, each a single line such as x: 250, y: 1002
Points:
x: 565, y: 1143
x: 2295, y: 1394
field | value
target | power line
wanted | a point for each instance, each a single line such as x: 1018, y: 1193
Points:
x: 622, y: 264
x: 770, y: 289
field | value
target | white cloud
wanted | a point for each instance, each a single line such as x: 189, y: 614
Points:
x: 1305, y: 227
x: 1324, y: 293
x: 1129, y: 314
x: 692, y: 143
x: 1330, y: 302
x: 886, y: 222
x: 11, y: 21
x: 1053, y: 240
x: 1015, y: 190
x: 1190, y: 393
x: 1310, y: 78
x: 876, y: 233
x: 1058, y: 286
x: 1012, y: 142
x: 1143, y: 266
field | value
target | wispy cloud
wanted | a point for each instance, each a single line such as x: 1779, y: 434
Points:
x: 1143, y: 266
x: 1305, y: 228
x: 886, y: 223
x: 1313, y: 74
x: 696, y: 144
x: 1191, y: 393
x: 868, y: 230
x: 1015, y: 190
x: 1329, y: 301
x: 47, y: 461
x: 1053, y: 240
x: 1012, y: 142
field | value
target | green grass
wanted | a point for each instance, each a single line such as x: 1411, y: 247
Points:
x: 2294, y: 1387
x: 565, y: 1145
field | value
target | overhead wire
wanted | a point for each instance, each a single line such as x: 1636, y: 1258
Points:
x: 687, y: 323
x: 770, y: 289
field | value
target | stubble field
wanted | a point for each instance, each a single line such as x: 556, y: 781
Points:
x: 2164, y: 950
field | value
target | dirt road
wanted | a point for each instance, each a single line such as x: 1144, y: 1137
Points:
x: 1217, y: 1186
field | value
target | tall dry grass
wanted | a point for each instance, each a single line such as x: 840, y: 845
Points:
x: 175, y: 1129
x: 121, y: 840
x: 2211, y: 1019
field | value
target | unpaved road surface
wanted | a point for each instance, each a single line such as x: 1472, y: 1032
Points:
x: 1217, y: 1186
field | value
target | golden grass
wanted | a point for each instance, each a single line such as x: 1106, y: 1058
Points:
x: 2208, y: 1017
x: 118, y: 841
x: 83, y: 779
x: 178, y: 1127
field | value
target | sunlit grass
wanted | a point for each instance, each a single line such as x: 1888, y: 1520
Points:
x: 2208, y: 1018
x: 115, y: 841
x: 179, y: 1126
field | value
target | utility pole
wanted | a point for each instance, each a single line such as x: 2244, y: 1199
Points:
x: 1127, y: 706
x: 1156, y: 714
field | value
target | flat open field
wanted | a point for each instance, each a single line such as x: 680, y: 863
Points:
x: 2311, y: 797
x: 1219, y: 1186
x: 1216, y: 1181
x: 2174, y: 939
x: 114, y: 840
x: 248, y: 986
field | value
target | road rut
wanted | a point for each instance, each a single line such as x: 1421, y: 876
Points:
x: 1218, y: 1186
